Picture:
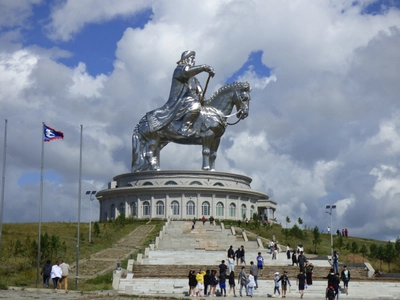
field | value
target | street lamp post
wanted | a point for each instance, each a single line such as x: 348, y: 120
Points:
x: 90, y: 193
x: 330, y: 207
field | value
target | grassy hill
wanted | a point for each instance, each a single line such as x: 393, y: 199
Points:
x: 18, y: 258
x: 351, y: 249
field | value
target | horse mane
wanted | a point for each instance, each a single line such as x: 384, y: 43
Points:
x: 245, y: 86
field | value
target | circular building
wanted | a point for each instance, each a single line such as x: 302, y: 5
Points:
x: 183, y: 195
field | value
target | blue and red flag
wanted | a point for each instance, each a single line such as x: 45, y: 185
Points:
x: 51, y: 134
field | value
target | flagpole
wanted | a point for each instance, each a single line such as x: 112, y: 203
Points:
x: 3, y: 179
x: 79, y: 212
x: 40, y: 207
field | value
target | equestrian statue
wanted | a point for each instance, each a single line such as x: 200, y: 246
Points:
x: 186, y: 118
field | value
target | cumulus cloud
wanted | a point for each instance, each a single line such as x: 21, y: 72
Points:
x: 69, y: 17
x: 15, y: 13
x: 323, y: 126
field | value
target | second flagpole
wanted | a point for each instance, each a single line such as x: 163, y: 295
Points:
x: 79, y: 213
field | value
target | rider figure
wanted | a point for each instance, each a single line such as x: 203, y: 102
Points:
x: 184, y: 98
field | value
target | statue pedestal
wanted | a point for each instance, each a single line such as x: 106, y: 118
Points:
x: 181, y: 195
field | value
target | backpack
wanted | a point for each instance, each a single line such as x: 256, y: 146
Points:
x: 330, y: 293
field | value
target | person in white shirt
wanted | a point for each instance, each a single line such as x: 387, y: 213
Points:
x: 56, y: 274
x: 231, y: 263
x: 271, y: 247
x: 251, y: 284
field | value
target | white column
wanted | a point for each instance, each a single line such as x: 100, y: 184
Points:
x: 152, y: 207
x: 167, y: 204
x: 139, y: 208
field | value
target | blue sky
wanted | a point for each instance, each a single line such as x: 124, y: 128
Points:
x: 324, y: 117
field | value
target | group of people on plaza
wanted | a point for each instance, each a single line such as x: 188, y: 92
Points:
x: 334, y: 279
x: 205, y: 283
x: 239, y: 254
x: 58, y: 273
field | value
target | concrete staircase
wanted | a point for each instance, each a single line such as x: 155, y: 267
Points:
x: 181, y: 236
x: 104, y: 261
x: 182, y: 270
x: 163, y: 270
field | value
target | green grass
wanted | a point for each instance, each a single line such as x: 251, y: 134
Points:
x: 18, y: 271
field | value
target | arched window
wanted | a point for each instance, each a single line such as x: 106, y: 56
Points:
x: 220, y: 209
x: 232, y: 210
x: 146, y: 208
x: 175, y: 208
x: 218, y: 184
x: 112, y: 212
x: 190, y: 208
x: 243, y: 211
x: 122, y: 208
x: 160, y: 208
x: 195, y: 183
x: 147, y: 183
x: 133, y: 209
x: 171, y: 183
x: 251, y: 211
x: 205, y: 208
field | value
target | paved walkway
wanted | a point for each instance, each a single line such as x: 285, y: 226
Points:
x: 366, y: 290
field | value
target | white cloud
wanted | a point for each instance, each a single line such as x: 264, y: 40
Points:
x: 69, y: 17
x: 15, y: 13
x: 84, y: 84
x: 326, y: 131
x: 256, y: 81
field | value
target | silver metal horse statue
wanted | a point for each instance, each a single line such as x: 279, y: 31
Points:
x: 208, y: 129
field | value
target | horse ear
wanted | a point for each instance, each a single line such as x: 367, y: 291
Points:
x: 248, y: 87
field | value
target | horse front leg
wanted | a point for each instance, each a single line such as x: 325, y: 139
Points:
x: 206, y: 158
x: 213, y: 153
x: 157, y: 158
x: 207, y: 141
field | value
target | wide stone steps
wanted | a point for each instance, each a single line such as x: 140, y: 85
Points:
x: 182, y: 271
x: 181, y: 236
x: 163, y: 271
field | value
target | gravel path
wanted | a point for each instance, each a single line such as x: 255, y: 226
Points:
x: 46, y: 294
x: 17, y: 293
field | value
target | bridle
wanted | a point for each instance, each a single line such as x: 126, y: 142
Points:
x: 238, y: 112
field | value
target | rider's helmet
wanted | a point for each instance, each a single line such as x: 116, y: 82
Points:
x: 185, y: 55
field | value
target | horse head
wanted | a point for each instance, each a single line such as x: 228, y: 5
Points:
x: 242, y: 99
